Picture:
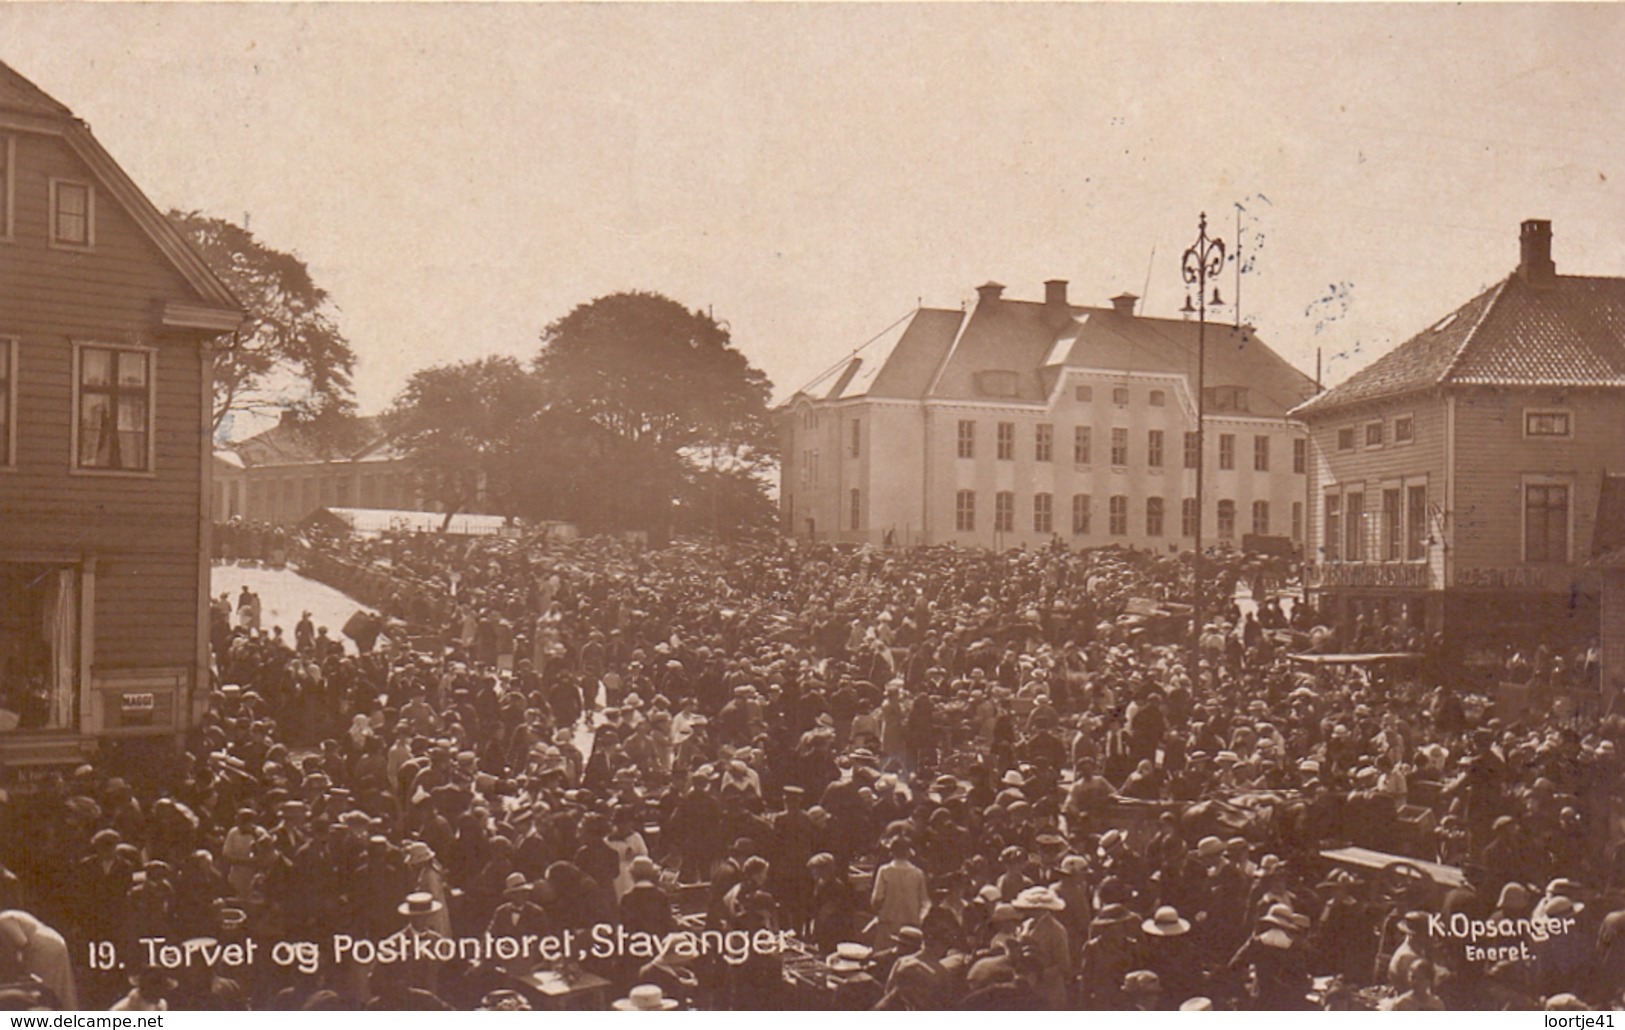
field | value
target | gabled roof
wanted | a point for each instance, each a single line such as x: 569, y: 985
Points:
x: 1568, y: 331
x: 946, y: 355
x: 898, y: 362
x: 18, y: 95
x: 294, y: 444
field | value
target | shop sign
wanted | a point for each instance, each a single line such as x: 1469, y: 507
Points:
x: 1352, y: 574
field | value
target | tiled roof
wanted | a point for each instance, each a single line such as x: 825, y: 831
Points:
x: 943, y: 354
x: 1569, y: 331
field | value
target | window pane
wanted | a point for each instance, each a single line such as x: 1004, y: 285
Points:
x: 95, y: 367
x: 132, y: 414
x: 132, y: 368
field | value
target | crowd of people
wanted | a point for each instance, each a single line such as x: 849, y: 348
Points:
x: 923, y: 779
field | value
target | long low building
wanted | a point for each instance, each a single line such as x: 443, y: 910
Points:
x: 1021, y: 422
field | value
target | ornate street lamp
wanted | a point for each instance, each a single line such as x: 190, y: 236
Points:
x: 1203, y: 260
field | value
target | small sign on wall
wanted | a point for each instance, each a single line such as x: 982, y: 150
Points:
x: 136, y: 709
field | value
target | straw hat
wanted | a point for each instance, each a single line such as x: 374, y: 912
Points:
x: 1166, y: 922
x: 849, y: 957
x: 644, y: 998
x: 419, y: 903
x: 1197, y: 1004
x: 1142, y: 981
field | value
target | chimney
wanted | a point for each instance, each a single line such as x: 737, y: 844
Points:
x: 1535, y: 252
x: 1124, y: 303
x: 1057, y: 312
x: 989, y: 292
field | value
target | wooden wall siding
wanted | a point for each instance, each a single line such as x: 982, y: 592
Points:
x: 1423, y: 456
x: 143, y: 529
x: 1493, y: 457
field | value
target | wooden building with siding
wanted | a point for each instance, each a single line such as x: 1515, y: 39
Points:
x: 107, y: 323
x: 1455, y: 482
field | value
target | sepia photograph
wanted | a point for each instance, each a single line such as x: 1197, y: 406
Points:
x: 602, y: 507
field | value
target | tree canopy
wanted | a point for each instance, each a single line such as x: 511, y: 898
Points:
x: 636, y: 414
x: 666, y: 385
x: 465, y: 427
x: 643, y: 367
x: 290, y: 353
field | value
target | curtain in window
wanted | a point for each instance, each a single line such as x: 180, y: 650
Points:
x: 60, y: 632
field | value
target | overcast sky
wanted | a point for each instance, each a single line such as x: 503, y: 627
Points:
x: 459, y: 175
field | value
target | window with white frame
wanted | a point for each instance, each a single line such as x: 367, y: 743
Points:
x: 965, y: 511
x: 1119, y: 447
x: 1227, y: 520
x: 1004, y: 512
x: 1118, y: 515
x: 1332, y: 545
x: 1373, y: 434
x: 1080, y: 514
x: 1044, y: 442
x: 1153, y: 449
x: 1153, y: 516
x: 967, y: 438
x: 1404, y: 428
x: 73, y: 214
x: 1043, y: 513
x: 1547, y: 423
x: 115, y: 408
x: 1006, y: 440
x: 1261, y: 518
x: 1416, y: 523
x: 1081, y: 437
x: 1546, y: 522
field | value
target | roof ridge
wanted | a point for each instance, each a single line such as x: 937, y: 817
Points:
x: 948, y: 355
x: 1498, y: 290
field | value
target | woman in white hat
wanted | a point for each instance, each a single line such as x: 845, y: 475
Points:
x: 430, y: 879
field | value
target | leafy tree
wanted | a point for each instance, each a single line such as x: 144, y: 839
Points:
x: 290, y: 353
x: 466, y: 427
x: 667, y: 386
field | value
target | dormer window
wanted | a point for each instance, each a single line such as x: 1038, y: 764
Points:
x: 1225, y: 398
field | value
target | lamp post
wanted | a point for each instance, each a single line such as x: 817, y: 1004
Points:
x: 1203, y: 260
